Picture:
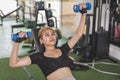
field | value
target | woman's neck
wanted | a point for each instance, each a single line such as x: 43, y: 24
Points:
x: 50, y: 48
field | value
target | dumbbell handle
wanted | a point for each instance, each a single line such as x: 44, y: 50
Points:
x: 77, y: 8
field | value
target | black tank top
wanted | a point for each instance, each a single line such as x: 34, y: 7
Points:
x: 49, y: 65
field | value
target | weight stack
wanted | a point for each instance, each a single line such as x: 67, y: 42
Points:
x: 101, y: 47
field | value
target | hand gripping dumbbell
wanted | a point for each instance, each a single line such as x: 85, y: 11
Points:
x: 18, y: 39
x: 77, y: 8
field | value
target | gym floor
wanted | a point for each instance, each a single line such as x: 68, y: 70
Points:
x: 7, y: 73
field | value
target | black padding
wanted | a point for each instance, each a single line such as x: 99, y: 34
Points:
x: 36, y: 40
x: 51, y: 23
x: 49, y: 13
x: 101, y: 44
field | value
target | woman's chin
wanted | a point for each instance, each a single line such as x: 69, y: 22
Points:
x: 52, y: 44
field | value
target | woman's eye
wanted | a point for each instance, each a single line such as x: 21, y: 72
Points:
x: 50, y: 34
x: 53, y: 33
x: 47, y: 35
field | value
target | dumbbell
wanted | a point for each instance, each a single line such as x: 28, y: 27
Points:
x: 77, y: 8
x: 16, y: 38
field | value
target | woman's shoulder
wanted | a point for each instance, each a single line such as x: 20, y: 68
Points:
x: 65, y: 48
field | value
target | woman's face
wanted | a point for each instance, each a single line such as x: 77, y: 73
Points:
x: 48, y: 38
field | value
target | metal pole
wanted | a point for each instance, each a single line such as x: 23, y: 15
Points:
x: 94, y: 16
x: 106, y: 7
x: 99, y: 14
x: 28, y: 73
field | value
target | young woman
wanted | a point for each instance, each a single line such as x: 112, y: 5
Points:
x: 54, y: 62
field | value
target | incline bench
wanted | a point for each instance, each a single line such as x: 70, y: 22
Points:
x: 2, y: 15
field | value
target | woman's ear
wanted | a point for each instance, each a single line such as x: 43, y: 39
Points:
x: 41, y: 41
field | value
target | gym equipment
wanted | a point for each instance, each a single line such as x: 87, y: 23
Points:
x: 40, y: 5
x: 117, y: 33
x: 36, y: 40
x: 2, y: 15
x: 77, y: 8
x: 100, y: 38
x: 50, y: 18
x: 49, y: 13
x: 28, y: 73
x: 18, y: 25
x: 92, y: 66
x: 114, y: 22
x: 101, y: 48
x: 30, y: 23
x: 86, y: 47
x: 52, y: 22
x: 16, y: 37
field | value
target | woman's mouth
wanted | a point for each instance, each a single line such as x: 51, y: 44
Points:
x: 52, y: 40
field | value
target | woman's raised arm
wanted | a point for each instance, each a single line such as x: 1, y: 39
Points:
x: 80, y: 29
x: 14, y: 61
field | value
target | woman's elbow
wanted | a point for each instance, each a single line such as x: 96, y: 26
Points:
x: 12, y: 66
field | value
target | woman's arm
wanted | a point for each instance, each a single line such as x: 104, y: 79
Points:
x: 78, y: 33
x: 15, y: 61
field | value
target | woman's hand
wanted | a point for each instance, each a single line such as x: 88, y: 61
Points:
x: 22, y: 34
x: 82, y: 5
x: 83, y: 8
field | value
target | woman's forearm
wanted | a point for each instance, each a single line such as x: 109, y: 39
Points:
x: 81, y: 26
x: 78, y: 33
x: 14, y: 55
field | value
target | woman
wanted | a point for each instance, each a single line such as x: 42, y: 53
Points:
x: 53, y: 61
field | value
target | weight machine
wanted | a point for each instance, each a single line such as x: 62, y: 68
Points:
x: 114, y: 22
x: 99, y: 43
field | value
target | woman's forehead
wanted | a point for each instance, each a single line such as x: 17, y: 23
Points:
x: 48, y: 31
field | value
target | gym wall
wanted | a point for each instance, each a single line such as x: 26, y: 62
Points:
x: 70, y: 19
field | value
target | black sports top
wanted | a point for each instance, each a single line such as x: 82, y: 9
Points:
x: 49, y: 65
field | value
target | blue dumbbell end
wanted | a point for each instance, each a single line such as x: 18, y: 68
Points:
x: 29, y: 34
x: 76, y: 8
x: 88, y: 6
x: 14, y: 37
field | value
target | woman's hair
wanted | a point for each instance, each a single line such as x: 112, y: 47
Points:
x: 42, y: 30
